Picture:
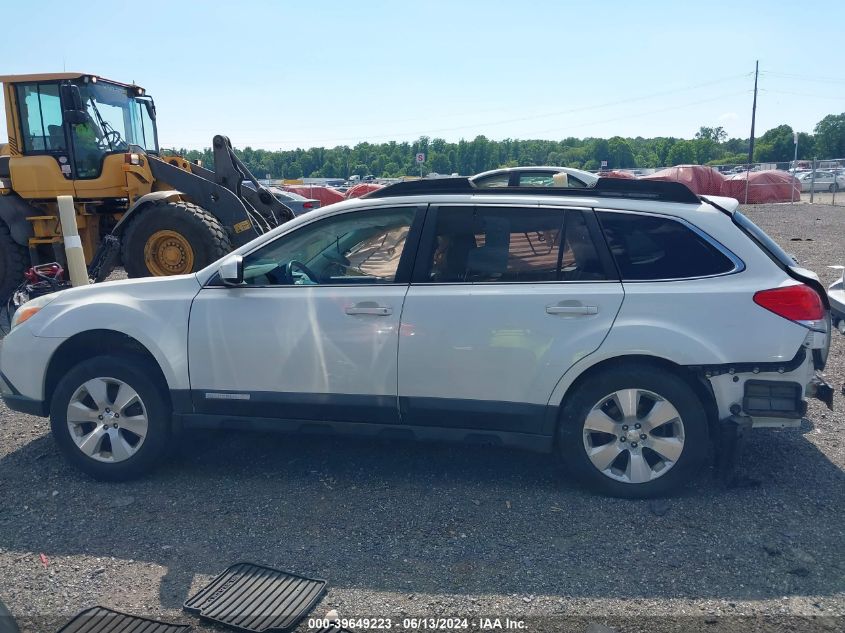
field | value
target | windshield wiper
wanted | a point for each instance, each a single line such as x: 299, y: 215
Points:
x: 107, y: 129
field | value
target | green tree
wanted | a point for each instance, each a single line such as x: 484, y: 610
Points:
x: 682, y: 153
x: 293, y: 171
x: 620, y: 153
x: 775, y: 145
x: 716, y: 134
x: 830, y: 136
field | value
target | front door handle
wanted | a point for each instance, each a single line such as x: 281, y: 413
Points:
x: 369, y: 307
x: 574, y: 310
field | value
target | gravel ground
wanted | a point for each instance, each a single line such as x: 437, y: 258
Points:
x: 426, y: 530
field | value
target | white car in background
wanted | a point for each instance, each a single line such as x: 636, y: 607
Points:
x: 824, y: 181
x: 535, y: 177
x: 622, y: 327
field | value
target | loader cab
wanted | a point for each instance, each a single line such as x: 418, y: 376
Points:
x: 69, y: 134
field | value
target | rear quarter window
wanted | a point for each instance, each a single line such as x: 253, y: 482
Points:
x: 648, y: 248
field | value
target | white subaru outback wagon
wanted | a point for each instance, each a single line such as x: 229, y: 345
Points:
x: 621, y: 326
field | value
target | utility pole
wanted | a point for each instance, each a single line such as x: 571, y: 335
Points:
x: 751, y: 143
x: 753, y: 113
x: 794, y: 166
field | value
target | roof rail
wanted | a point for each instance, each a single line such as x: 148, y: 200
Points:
x: 664, y: 191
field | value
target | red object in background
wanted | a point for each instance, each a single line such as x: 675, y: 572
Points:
x: 616, y: 173
x: 326, y: 195
x: 37, y: 273
x: 763, y: 186
x: 702, y: 180
x: 363, y: 188
x: 44, y: 560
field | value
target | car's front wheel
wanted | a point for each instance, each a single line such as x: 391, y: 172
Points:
x: 111, y: 417
x: 635, y: 430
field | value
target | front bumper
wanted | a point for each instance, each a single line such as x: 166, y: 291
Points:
x: 17, y: 402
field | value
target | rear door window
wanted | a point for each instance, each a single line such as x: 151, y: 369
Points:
x: 648, y: 248
x: 512, y: 244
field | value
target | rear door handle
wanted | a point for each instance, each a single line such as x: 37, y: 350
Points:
x: 573, y: 310
x: 369, y: 308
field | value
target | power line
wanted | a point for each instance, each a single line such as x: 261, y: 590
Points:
x: 648, y: 113
x: 530, y: 117
x: 626, y: 101
x: 804, y: 77
x: 801, y: 94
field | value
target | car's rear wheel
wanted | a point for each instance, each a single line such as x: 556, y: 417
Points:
x: 111, y: 417
x: 635, y: 430
x: 833, y: 188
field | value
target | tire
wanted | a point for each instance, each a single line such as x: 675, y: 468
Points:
x: 141, y: 447
x: 172, y: 238
x: 14, y: 261
x: 683, y: 441
x: 833, y: 188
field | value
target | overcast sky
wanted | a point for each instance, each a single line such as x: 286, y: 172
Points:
x: 319, y: 73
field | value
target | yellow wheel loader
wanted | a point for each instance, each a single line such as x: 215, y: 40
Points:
x: 96, y: 140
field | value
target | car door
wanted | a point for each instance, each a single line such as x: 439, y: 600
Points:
x: 312, y: 332
x: 504, y: 300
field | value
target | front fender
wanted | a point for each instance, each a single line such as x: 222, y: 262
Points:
x: 153, y: 196
x: 156, y: 315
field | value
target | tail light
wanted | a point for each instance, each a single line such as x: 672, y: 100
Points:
x: 797, y: 303
x: 307, y: 205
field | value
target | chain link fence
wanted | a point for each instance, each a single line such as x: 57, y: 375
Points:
x: 818, y: 181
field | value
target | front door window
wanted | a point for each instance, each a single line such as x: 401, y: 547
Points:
x: 357, y: 248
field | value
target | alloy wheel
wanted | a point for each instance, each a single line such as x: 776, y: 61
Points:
x: 633, y: 436
x: 107, y: 420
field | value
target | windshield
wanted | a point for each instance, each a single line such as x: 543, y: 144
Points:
x: 117, y: 117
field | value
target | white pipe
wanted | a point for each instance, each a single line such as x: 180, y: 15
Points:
x: 73, y: 244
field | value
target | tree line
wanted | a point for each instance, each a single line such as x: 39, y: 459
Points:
x: 709, y: 146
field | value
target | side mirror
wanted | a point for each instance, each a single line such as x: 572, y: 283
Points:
x: 75, y: 117
x: 231, y: 270
x: 74, y: 109
x: 71, y: 98
x: 151, y: 108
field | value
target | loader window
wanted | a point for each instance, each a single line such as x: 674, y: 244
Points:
x: 41, y: 118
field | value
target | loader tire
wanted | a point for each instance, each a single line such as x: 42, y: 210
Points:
x: 172, y: 238
x: 14, y: 261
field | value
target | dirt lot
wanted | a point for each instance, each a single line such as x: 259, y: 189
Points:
x: 431, y: 530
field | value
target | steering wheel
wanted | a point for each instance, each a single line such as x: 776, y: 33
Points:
x: 296, y: 264
x: 110, y: 140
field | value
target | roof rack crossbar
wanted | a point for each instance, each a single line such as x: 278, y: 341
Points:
x: 663, y: 191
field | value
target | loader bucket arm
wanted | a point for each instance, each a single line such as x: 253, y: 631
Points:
x: 230, y: 172
x: 223, y: 203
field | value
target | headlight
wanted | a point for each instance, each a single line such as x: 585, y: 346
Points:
x: 30, y: 309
